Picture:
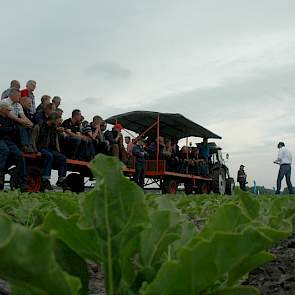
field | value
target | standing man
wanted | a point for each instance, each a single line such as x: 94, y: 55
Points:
x: 28, y: 91
x: 14, y: 84
x: 284, y: 160
x: 139, y: 154
x: 242, y: 178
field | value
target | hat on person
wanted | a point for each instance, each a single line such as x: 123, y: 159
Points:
x: 118, y: 126
x: 242, y: 166
x: 5, y: 105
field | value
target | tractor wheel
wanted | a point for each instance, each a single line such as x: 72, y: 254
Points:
x: 204, y: 188
x: 188, y: 188
x: 230, y: 186
x: 169, y: 186
x: 33, y: 179
x: 219, y: 181
x: 75, y: 182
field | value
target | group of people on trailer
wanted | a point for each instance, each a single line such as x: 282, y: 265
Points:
x: 27, y: 128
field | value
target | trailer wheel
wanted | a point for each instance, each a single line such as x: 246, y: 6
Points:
x: 75, y: 182
x: 230, y: 186
x: 204, y: 188
x: 33, y: 179
x: 169, y: 186
x: 188, y: 188
x: 219, y: 181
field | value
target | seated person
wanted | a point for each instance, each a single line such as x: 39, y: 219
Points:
x: 43, y: 115
x: 26, y: 133
x: 23, y: 123
x: 45, y: 139
x: 56, y: 100
x: 101, y: 145
x: 45, y: 100
x: 9, y: 148
x: 115, y: 139
x: 87, y: 151
x: 73, y: 137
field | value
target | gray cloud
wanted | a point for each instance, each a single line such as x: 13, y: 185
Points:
x: 110, y: 70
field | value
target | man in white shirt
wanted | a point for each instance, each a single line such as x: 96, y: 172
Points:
x: 284, y: 160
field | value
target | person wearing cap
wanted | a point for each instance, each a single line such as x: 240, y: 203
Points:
x: 284, y: 159
x: 14, y: 84
x: 139, y: 155
x: 115, y: 139
x: 242, y: 178
x: 46, y: 141
x: 28, y: 91
x: 45, y: 100
x: 9, y: 148
x: 56, y: 100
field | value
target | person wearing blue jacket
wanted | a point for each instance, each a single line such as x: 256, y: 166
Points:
x: 139, y: 154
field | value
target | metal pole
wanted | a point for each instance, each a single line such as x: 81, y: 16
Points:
x: 158, y: 141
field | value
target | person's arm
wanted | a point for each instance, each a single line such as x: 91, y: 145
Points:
x: 23, y: 120
x: 279, y: 158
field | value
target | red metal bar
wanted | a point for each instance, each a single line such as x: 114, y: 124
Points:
x: 158, y: 141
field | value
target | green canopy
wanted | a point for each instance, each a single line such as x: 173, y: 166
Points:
x: 171, y: 125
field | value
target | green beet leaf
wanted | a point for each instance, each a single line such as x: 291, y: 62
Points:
x: 27, y: 261
x: 117, y: 213
x: 206, y: 266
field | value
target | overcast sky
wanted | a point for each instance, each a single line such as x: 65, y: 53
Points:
x: 228, y: 65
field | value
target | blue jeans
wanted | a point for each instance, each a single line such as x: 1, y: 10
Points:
x: 285, y: 171
x: 25, y: 135
x: 70, y: 146
x: 49, y: 156
x: 9, y: 149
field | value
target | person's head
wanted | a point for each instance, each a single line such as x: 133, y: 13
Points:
x: 15, y: 84
x: 118, y: 127
x: 161, y: 140
x: 4, y: 108
x: 76, y: 116
x: 56, y: 101
x: 281, y: 144
x: 47, y: 109
x: 31, y: 85
x: 103, y: 126
x: 14, y: 95
x: 127, y: 139
x: 26, y: 103
x: 59, y: 111
x: 140, y: 140
x: 167, y: 143
x: 97, y: 119
x: 205, y: 140
x: 45, y: 99
x: 242, y: 167
x: 53, y: 119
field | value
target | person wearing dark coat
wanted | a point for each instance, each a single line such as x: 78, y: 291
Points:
x: 242, y: 178
x: 9, y: 148
x: 139, y: 154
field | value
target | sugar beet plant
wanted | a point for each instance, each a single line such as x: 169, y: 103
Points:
x: 145, y: 244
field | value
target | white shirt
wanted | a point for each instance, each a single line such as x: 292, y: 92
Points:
x: 284, y: 156
x: 17, y: 108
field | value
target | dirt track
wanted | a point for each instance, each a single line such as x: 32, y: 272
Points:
x: 277, y: 277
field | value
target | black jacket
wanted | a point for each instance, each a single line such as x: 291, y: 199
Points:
x: 7, y: 129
